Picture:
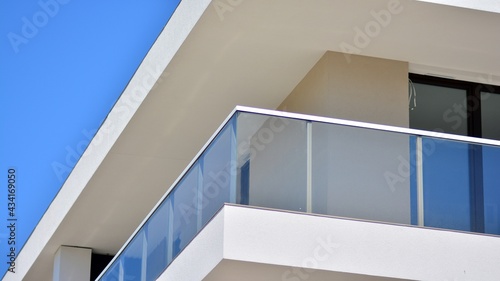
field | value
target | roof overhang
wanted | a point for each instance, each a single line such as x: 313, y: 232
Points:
x: 209, y: 59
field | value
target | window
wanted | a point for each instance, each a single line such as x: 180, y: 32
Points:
x: 455, y: 107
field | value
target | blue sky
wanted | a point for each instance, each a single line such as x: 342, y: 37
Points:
x: 63, y: 64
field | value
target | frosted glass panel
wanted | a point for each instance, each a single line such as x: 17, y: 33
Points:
x: 272, y: 161
x: 360, y: 173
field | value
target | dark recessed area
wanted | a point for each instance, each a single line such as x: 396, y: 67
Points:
x: 98, y: 263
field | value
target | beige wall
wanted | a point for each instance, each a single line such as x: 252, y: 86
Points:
x: 356, y: 88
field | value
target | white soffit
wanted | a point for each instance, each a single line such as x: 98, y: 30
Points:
x: 250, y: 53
x: 482, y: 5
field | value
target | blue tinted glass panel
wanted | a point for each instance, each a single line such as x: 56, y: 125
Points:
x: 113, y: 273
x: 491, y: 181
x: 132, y: 257
x: 218, y: 176
x: 185, y: 203
x: 157, y: 230
x: 446, y: 184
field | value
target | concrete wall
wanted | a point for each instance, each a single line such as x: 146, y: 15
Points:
x: 353, y: 87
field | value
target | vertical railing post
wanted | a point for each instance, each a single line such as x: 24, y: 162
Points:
x: 309, y: 166
x: 121, y: 271
x: 476, y: 185
x: 233, y: 165
x: 420, y: 182
x: 199, y: 204
x: 144, y: 260
x: 170, y: 231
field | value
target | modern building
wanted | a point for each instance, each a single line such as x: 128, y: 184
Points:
x: 366, y: 147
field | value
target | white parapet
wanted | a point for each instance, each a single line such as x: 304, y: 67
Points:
x: 245, y: 243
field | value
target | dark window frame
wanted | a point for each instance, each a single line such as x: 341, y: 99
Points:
x: 473, y: 95
x: 474, y: 129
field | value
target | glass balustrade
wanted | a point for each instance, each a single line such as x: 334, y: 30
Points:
x: 324, y: 166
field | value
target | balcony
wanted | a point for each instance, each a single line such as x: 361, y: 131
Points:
x: 324, y: 166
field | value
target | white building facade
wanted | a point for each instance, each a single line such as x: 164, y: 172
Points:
x: 293, y: 140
